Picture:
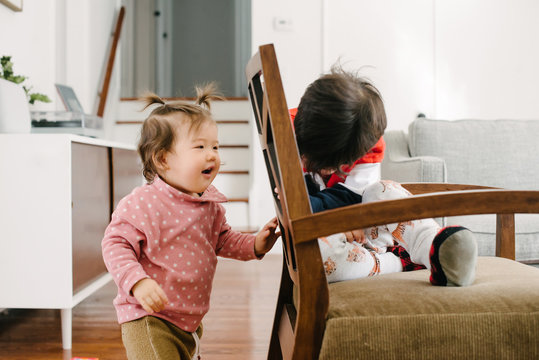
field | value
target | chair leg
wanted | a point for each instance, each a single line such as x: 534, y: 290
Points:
x: 274, y: 352
x: 285, y: 296
x: 311, y: 318
x: 505, y: 236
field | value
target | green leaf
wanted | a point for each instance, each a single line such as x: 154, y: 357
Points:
x: 17, y: 79
x: 4, y: 60
x: 7, y: 73
x: 7, y: 66
x: 39, y: 97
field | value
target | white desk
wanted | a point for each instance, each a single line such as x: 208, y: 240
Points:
x: 56, y: 196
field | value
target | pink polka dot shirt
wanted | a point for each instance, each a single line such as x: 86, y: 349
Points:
x: 161, y: 233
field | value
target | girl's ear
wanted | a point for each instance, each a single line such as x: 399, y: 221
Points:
x: 160, y: 160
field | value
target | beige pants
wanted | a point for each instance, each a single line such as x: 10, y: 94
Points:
x: 152, y: 338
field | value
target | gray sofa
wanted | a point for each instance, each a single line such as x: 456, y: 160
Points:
x: 498, y: 153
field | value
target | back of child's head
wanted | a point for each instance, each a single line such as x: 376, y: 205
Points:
x: 160, y: 130
x: 340, y: 117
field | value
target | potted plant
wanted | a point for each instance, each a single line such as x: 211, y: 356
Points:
x: 14, y: 99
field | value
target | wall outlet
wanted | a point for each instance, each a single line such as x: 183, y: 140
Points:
x: 283, y: 24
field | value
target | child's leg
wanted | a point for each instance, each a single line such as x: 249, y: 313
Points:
x: 345, y: 261
x: 152, y: 338
x: 415, y: 236
x: 453, y: 262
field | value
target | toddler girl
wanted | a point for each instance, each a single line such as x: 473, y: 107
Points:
x: 162, y: 243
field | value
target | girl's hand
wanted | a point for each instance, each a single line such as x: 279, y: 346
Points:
x: 150, y: 295
x: 266, y: 238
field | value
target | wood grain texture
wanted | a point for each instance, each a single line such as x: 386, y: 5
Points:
x: 238, y: 325
x: 451, y: 203
x: 110, y: 63
x: 304, y: 264
x: 424, y: 188
x: 505, y: 236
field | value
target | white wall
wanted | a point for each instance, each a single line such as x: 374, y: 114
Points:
x: 391, y: 42
x: 448, y: 59
x: 298, y: 48
x: 29, y: 37
x: 299, y: 51
x: 487, y: 56
x: 61, y: 41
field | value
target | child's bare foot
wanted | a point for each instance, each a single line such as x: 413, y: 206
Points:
x: 453, y: 257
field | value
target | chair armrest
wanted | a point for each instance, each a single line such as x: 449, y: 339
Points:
x: 399, y: 166
x: 451, y: 203
x: 425, y: 188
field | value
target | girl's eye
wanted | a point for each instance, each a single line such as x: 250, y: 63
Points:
x: 200, y: 147
x: 216, y: 148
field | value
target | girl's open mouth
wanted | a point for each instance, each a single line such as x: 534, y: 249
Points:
x: 207, y: 171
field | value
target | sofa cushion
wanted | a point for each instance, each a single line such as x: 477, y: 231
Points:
x: 499, y: 153
x: 374, y: 314
x: 484, y: 227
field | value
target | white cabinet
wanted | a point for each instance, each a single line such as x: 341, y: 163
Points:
x: 56, y: 196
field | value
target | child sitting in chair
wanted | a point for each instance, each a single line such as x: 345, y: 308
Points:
x: 339, y: 126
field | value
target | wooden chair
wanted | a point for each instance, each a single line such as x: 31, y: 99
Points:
x: 395, y: 315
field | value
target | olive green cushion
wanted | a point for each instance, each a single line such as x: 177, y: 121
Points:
x: 402, y: 316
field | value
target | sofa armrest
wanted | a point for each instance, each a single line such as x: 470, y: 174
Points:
x: 399, y: 166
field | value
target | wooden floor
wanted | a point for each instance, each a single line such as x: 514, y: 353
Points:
x: 237, y: 326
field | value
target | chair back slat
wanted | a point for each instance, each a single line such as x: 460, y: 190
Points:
x: 278, y: 145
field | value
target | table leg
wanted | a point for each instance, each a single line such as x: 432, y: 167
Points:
x: 65, y: 315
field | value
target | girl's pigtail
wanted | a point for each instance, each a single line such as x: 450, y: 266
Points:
x: 149, y: 99
x: 206, y: 94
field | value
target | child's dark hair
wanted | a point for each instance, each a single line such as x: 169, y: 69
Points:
x: 158, y: 132
x: 340, y: 118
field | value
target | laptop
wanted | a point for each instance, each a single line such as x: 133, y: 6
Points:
x: 73, y: 120
x: 69, y: 98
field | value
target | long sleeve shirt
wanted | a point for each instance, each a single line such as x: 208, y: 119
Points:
x: 173, y: 238
x: 329, y: 198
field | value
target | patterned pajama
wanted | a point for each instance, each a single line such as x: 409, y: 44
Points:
x: 345, y: 261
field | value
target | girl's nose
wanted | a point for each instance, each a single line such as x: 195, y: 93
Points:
x: 211, y: 155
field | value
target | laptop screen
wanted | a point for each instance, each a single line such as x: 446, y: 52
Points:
x: 67, y: 94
